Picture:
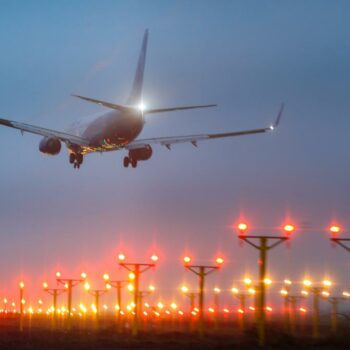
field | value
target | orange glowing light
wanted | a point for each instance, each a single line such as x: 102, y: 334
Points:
x: 302, y: 309
x: 184, y: 289
x: 21, y: 285
x: 289, y: 228
x: 58, y: 274
x: 121, y: 257
x: 131, y: 276
x: 240, y: 311
x: 45, y: 285
x: 242, y: 228
x: 151, y: 288
x: 187, y: 259
x: 269, y: 308
x: 108, y: 286
x: 106, y: 276
x: 334, y: 229
x: 83, y: 275
x: 154, y: 258
x: 87, y: 286
x: 219, y: 261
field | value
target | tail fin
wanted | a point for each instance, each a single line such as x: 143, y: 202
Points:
x: 135, y: 97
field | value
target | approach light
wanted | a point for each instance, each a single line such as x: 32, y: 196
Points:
x: 251, y: 291
x: 267, y: 281
x: 284, y: 292
x: 151, y: 288
x: 21, y: 285
x: 187, y: 259
x: 289, y: 282
x: 184, y: 289
x: 45, y: 285
x: 307, y: 283
x: 219, y: 261
x: 154, y: 258
x: 130, y: 287
x: 247, y: 281
x: 58, y: 274
x: 334, y: 229
x: 289, y: 229
x: 131, y: 276
x: 327, y: 283
x: 234, y: 290
x: 121, y: 257
x: 106, y: 276
x: 217, y: 290
x: 346, y: 294
x: 108, y: 286
x: 87, y: 286
x: 83, y: 275
x: 325, y: 293
x: 242, y: 228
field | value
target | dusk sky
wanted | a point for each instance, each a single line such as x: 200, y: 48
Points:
x: 246, y: 56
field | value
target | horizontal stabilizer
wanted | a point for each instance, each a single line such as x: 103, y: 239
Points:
x: 104, y: 103
x: 173, y: 109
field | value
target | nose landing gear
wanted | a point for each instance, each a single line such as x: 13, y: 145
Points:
x: 76, y: 159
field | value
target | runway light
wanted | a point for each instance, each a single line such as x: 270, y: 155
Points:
x: 83, y: 275
x: 151, y: 288
x: 121, y: 257
x: 211, y: 310
x: 269, y: 308
x: 160, y: 305
x: 240, y: 311
x: 251, y: 291
x: 154, y: 258
x: 108, y: 286
x: 303, y: 310
x: 131, y: 276
x: 325, y: 293
x: 45, y: 285
x: 289, y: 282
x: 304, y: 292
x: 242, y: 228
x: 21, y: 285
x: 130, y: 287
x: 187, y: 259
x: 217, y: 290
x: 87, y: 286
x: 219, y: 261
x: 58, y: 274
x: 284, y: 292
x: 173, y: 306
x: 106, y: 276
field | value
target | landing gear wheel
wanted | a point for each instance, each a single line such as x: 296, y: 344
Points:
x: 134, y: 163
x: 126, y: 162
x: 71, y: 158
x: 79, y: 158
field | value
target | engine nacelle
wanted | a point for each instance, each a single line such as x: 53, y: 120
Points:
x: 143, y: 153
x: 50, y: 145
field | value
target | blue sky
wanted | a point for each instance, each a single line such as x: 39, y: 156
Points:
x: 247, y: 56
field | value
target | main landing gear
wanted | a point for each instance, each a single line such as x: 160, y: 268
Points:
x: 128, y: 160
x: 76, y: 159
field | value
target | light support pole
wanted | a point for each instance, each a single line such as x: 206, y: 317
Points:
x: 285, y: 292
x: 202, y: 271
x: 334, y: 301
x: 292, y: 301
x: 136, y: 269
x: 96, y: 293
x: 242, y: 297
x: 21, y: 306
x: 118, y: 285
x: 55, y: 292
x: 69, y: 283
x: 263, y: 246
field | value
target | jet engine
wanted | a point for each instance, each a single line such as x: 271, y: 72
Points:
x: 50, y: 145
x: 143, y: 153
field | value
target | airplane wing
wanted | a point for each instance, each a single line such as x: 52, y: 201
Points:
x: 67, y: 138
x: 168, y: 141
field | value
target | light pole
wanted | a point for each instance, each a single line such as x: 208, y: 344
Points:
x: 21, y: 305
x: 55, y: 292
x: 285, y: 292
x: 317, y: 292
x: 136, y: 269
x: 217, y: 292
x: 96, y: 293
x: 202, y: 271
x: 334, y: 301
x: 118, y: 285
x: 69, y: 283
x: 263, y: 247
x: 292, y: 301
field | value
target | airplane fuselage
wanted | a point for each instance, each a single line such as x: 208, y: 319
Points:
x: 112, y: 131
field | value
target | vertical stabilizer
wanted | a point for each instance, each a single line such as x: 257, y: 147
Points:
x: 135, y: 97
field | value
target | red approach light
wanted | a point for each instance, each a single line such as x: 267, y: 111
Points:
x: 334, y: 230
x: 219, y: 261
x: 154, y: 258
x: 187, y: 260
x: 289, y: 229
x: 121, y: 257
x: 242, y: 228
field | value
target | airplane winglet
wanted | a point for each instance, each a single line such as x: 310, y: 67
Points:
x: 278, y: 119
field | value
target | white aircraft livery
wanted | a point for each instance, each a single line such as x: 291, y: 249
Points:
x: 120, y: 126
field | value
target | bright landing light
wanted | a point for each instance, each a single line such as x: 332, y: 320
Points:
x: 141, y: 107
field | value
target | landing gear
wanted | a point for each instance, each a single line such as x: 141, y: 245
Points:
x: 76, y: 159
x: 127, y: 160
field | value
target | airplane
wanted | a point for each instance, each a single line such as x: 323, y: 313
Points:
x: 120, y: 127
